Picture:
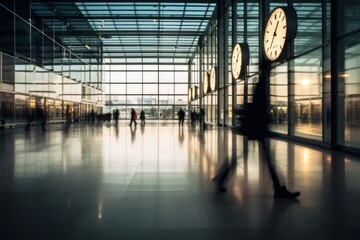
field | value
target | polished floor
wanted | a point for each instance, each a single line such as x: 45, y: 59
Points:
x: 102, y: 181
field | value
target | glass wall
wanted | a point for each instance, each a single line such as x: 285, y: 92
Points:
x: 228, y: 83
x: 279, y: 99
x: 158, y: 89
x: 349, y: 91
x: 209, y: 59
x: 308, y: 95
x: 247, y: 31
x: 310, y: 91
x: 37, y: 72
x: 251, y: 31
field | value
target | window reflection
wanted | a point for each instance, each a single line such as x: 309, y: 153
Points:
x: 279, y: 99
x: 308, y: 95
x: 350, y: 99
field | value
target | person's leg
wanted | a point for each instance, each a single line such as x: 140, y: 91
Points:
x: 266, y: 152
x: 280, y: 191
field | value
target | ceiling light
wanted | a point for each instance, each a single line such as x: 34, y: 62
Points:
x: 87, y: 47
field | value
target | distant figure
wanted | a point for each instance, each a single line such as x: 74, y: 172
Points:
x: 67, y: 114
x: 67, y: 118
x: 142, y: 117
x: 133, y: 117
x: 30, y: 119
x: 192, y: 117
x: 43, y: 120
x: 116, y: 116
x: 181, y: 115
x: 202, y: 118
x: 282, y: 115
x: 92, y: 115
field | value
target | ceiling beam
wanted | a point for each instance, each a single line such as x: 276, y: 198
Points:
x: 130, y: 33
x: 114, y: 1
x: 134, y: 17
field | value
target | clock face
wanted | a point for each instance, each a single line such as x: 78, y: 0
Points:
x: 206, y: 82
x: 236, y: 61
x: 275, y: 34
x: 212, y: 79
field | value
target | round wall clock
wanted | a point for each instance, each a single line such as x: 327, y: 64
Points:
x: 239, y: 59
x: 281, y: 27
x: 212, y: 79
x: 206, y: 83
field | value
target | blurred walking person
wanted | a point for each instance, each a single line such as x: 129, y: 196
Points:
x: 181, y: 115
x: 133, y: 117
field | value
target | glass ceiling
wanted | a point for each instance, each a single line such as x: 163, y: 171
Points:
x: 163, y: 32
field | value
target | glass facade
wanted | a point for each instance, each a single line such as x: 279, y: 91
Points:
x: 313, y: 96
x: 348, y: 91
x: 159, y: 90
x: 109, y: 56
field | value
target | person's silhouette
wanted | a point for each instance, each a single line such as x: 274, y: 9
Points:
x: 142, y: 117
x: 181, y: 115
x: 133, y: 117
x: 116, y: 116
x: 259, y: 125
x: 255, y: 124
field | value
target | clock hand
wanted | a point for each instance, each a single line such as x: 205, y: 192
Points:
x: 237, y: 60
x: 272, y: 40
x: 274, y: 35
x: 277, y: 24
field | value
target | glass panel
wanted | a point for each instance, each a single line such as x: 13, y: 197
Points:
x: 181, y: 89
x: 309, y: 26
x: 8, y: 69
x: 166, y: 89
x: 240, y: 93
x: 117, y: 88
x: 151, y: 77
x: 7, y: 106
x: 308, y: 96
x: 166, y: 77
x: 134, y: 77
x: 134, y: 89
x: 279, y: 99
x: 351, y: 18
x: 116, y: 77
x: 253, y: 35
x: 349, y: 92
x: 151, y: 89
x: 181, y: 77
x: 166, y: 99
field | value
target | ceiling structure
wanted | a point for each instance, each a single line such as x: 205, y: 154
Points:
x: 126, y: 32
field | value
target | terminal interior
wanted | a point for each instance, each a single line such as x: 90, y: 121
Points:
x: 70, y: 170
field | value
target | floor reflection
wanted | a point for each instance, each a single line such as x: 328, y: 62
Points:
x: 105, y: 181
